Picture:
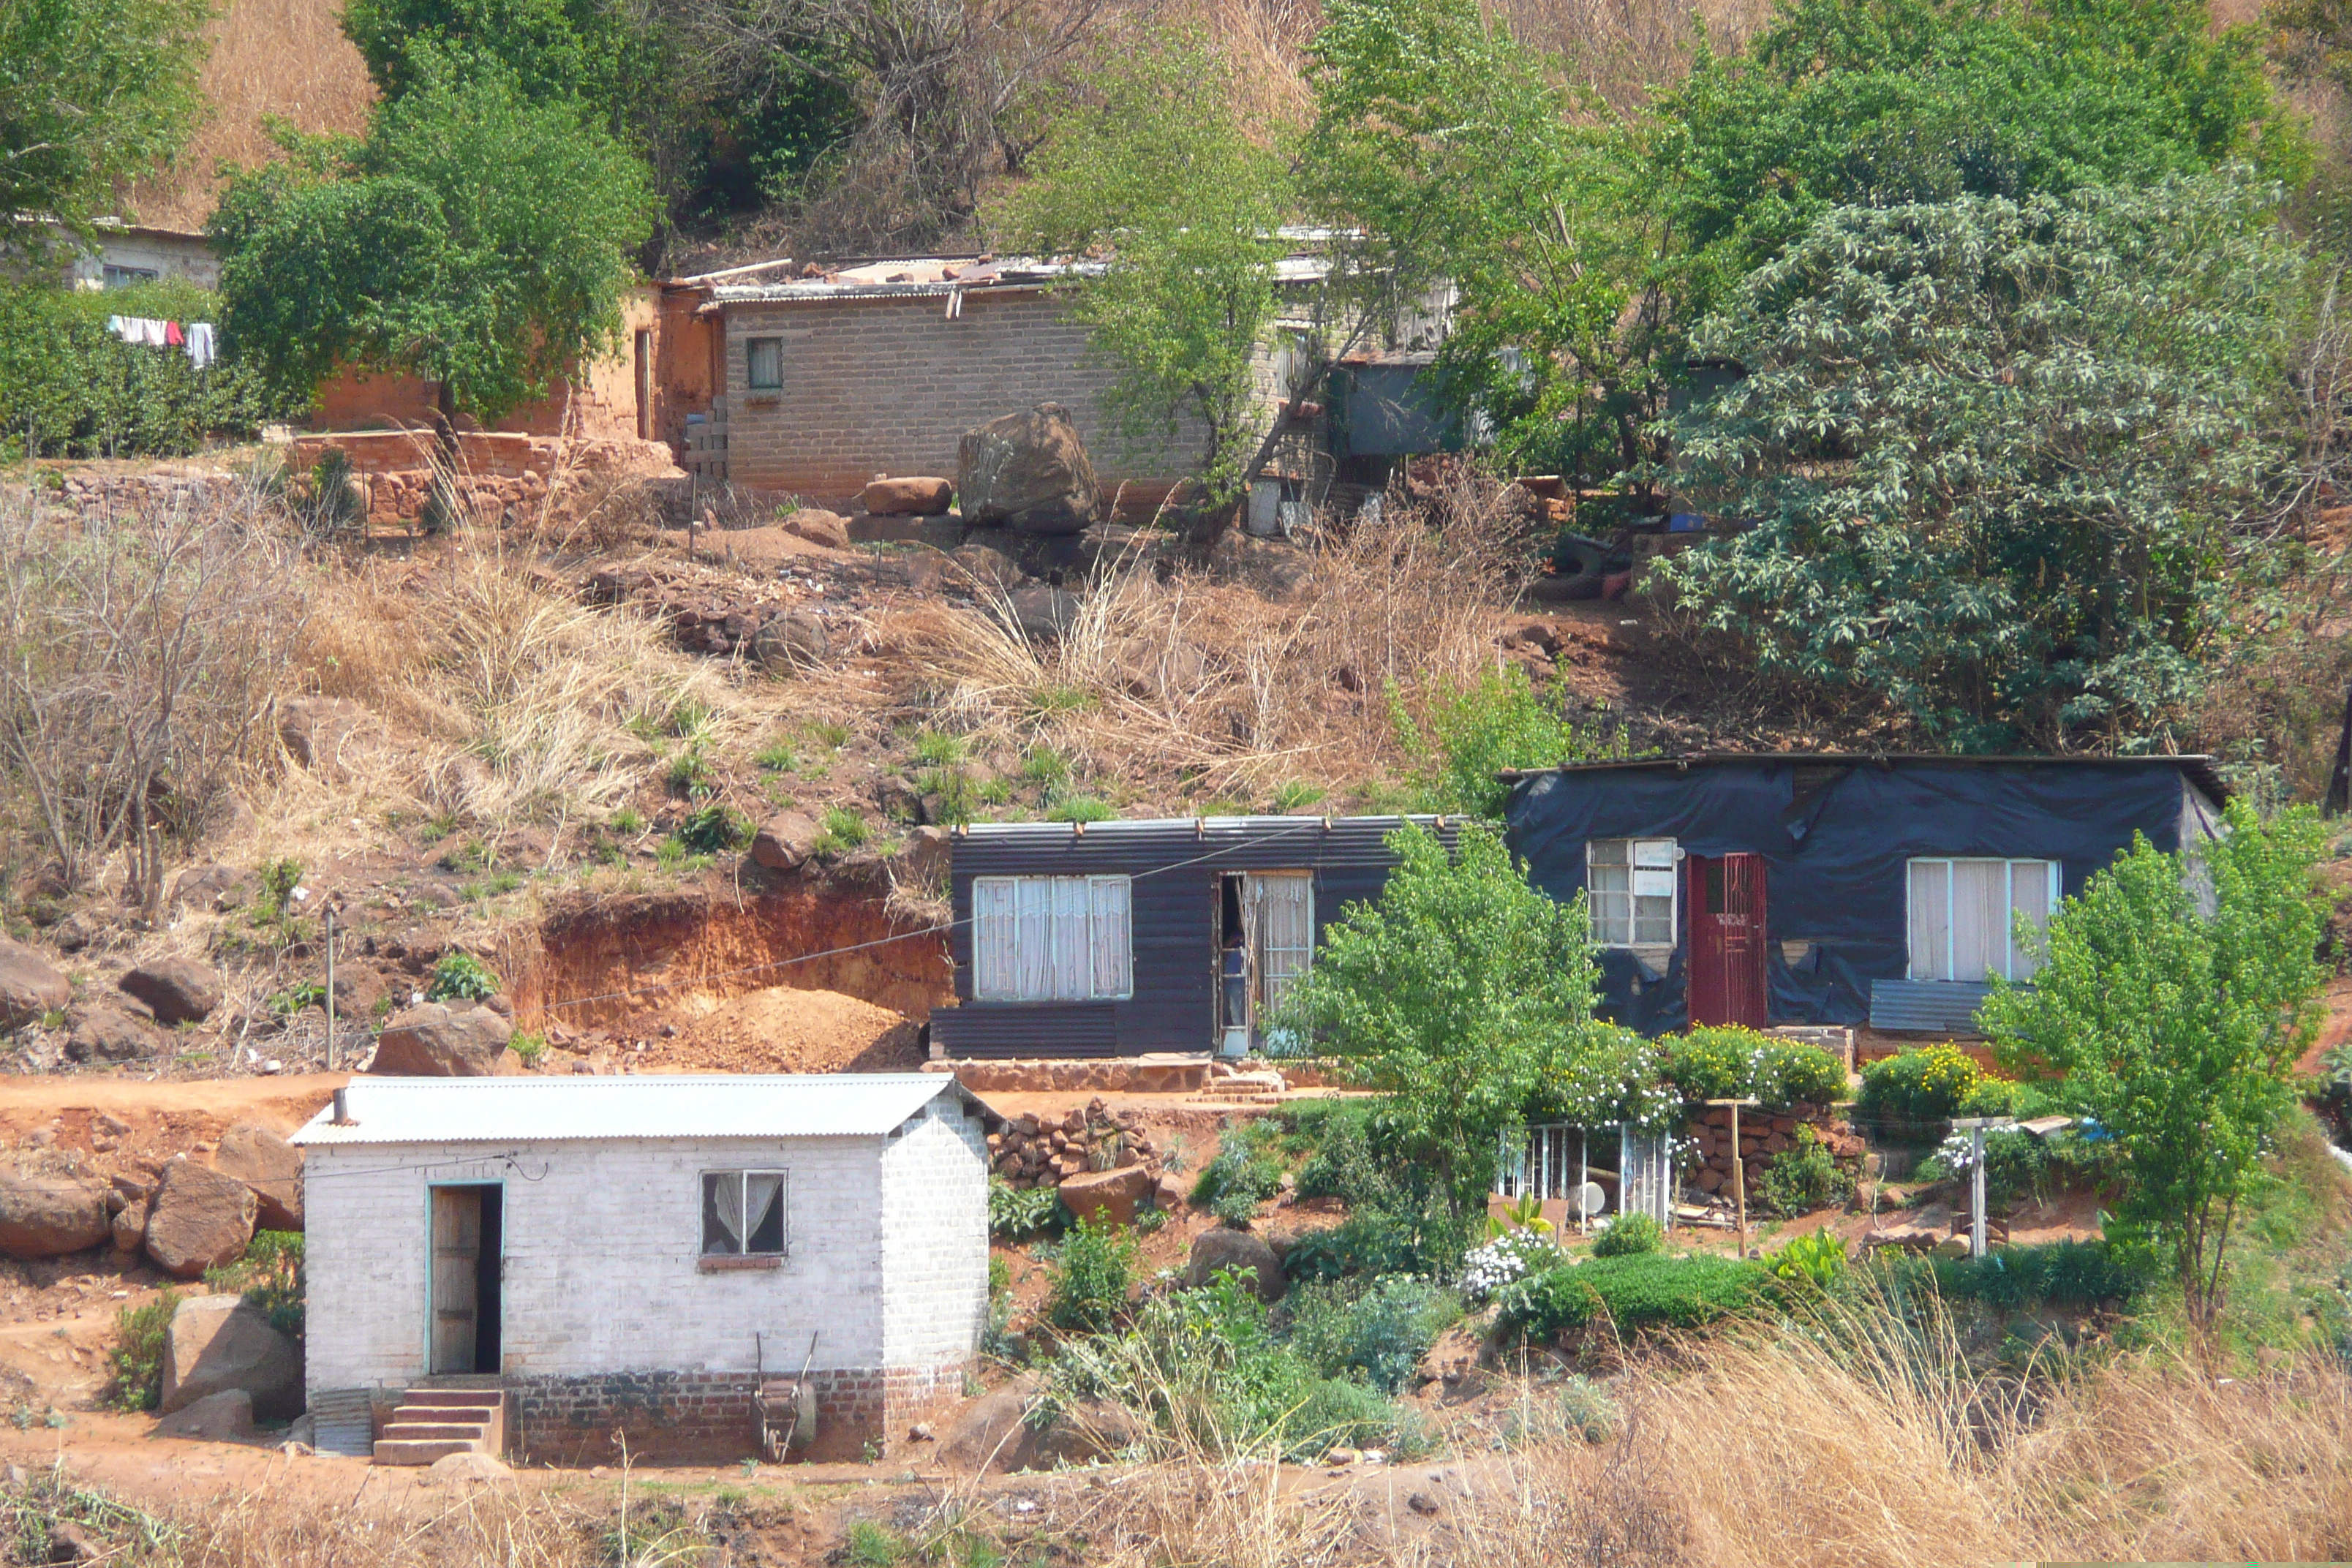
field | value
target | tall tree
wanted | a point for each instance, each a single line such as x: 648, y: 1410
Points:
x: 91, y: 93
x: 476, y: 239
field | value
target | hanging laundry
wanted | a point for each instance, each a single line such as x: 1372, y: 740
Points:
x: 201, y: 351
x: 150, y: 331
x: 172, y: 337
x: 122, y: 327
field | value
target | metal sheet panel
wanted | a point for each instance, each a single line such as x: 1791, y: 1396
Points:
x: 978, y: 1030
x: 1933, y: 1007
x: 530, y: 1110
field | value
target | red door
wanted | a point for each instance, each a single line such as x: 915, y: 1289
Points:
x: 1725, y: 896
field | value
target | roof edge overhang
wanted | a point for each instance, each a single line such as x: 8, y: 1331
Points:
x: 2197, y: 768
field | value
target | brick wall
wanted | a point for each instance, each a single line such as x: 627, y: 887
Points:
x: 889, y: 386
x: 935, y: 1239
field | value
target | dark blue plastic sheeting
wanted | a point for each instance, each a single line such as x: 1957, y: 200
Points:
x: 1836, y: 840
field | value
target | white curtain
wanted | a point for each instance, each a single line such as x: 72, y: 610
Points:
x: 1112, y: 943
x: 993, y: 940
x: 1931, y: 953
x: 1042, y: 939
x: 1979, y: 919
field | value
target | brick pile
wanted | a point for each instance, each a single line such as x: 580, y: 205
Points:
x: 1033, y: 1151
x: 1764, y: 1133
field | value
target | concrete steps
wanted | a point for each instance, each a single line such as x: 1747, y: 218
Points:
x: 433, y: 1423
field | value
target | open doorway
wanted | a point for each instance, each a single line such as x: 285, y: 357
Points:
x: 1266, y: 939
x: 468, y: 1248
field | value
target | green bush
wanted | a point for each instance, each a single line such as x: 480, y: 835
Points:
x: 83, y: 392
x: 269, y: 1275
x: 1244, y: 1175
x: 1649, y: 1291
x: 1728, y: 1062
x: 1020, y: 1213
x: 135, y: 1360
x: 1092, y: 1272
x: 1909, y: 1097
x: 1628, y: 1235
x: 1379, y: 1332
x: 1476, y: 730
x: 1383, y: 1240
x: 461, y: 977
x: 1804, y: 1178
x: 713, y: 828
x: 2073, y: 1274
x: 1816, y: 1257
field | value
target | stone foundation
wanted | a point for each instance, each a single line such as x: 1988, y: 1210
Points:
x: 708, y: 1417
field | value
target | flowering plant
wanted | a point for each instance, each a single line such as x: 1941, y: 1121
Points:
x: 1514, y: 1256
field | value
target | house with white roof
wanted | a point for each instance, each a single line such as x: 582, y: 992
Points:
x: 535, y: 1264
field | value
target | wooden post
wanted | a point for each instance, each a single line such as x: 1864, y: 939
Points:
x: 1738, y: 1167
x: 330, y: 987
x: 1976, y: 1127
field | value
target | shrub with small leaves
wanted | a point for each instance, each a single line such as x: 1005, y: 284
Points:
x: 714, y: 828
x: 1019, y: 1214
x: 1629, y: 1234
x: 135, y: 1360
x: 461, y: 977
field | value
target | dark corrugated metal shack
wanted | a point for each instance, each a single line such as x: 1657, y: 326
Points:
x: 1176, y: 866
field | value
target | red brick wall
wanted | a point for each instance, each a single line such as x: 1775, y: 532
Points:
x: 707, y: 1417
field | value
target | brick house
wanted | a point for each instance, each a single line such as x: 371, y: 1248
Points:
x: 639, y: 1253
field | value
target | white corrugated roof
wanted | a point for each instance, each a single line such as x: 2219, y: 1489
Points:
x: 532, y: 1109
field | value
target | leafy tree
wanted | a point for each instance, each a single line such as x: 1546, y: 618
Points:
x: 2172, y: 1005
x: 428, y: 249
x: 550, y: 49
x: 91, y: 93
x: 1998, y: 457
x: 1158, y: 177
x: 1476, y: 730
x: 1463, y: 994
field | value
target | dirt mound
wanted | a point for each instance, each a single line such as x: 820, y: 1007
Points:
x: 782, y: 1029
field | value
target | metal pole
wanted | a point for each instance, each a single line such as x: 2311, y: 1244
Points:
x: 1583, y: 1178
x: 1976, y: 1191
x: 330, y: 987
x: 1739, y: 1177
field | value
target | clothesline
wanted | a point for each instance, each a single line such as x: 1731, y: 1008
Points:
x: 145, y: 332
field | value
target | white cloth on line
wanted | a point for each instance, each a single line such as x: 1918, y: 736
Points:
x: 200, y: 347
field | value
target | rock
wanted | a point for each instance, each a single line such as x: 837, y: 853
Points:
x: 268, y: 1165
x: 50, y: 1215
x: 211, y: 887
x: 450, y: 1468
x: 316, y: 730
x: 1029, y: 470
x: 69, y: 1542
x: 795, y: 640
x: 30, y: 986
x: 819, y: 527
x: 1114, y: 1194
x: 436, y: 1040
x: 200, y: 1218
x: 295, y: 1448
x: 107, y: 1035
x: 898, y: 799
x: 1423, y: 1504
x: 1238, y: 1250
x: 1044, y: 614
x: 985, y: 568
x: 928, y: 853
x: 130, y: 1227
x: 1168, y: 1194
x: 304, y: 1431
x: 217, y: 1343
x: 784, y: 841
x: 177, y: 989
x: 357, y: 990
x: 1084, y: 1430
x: 217, y: 1418
x: 907, y: 498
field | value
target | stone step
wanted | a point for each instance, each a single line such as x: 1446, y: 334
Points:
x: 474, y: 1415
x: 482, y: 1397
x: 434, y: 1431
x: 401, y: 1451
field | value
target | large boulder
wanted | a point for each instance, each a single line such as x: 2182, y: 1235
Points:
x: 216, y: 1418
x: 907, y: 498
x: 1045, y: 615
x: 177, y: 989
x: 199, y: 1218
x: 50, y: 1215
x: 436, y: 1040
x: 992, y: 1432
x: 1028, y: 470
x: 268, y: 1165
x: 30, y: 986
x: 111, y: 1035
x: 797, y: 639
x: 1240, y: 1251
x: 819, y: 527
x: 784, y: 841
x: 217, y: 1343
x: 1084, y: 1430
x: 1098, y: 1196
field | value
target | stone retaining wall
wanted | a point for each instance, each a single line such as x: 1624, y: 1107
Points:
x: 1764, y: 1133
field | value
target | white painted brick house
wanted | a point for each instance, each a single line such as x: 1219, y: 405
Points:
x: 629, y: 1253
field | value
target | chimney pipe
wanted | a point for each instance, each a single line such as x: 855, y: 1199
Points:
x: 343, y: 1116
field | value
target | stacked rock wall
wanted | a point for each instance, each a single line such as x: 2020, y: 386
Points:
x: 1764, y: 1133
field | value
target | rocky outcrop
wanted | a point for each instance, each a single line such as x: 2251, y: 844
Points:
x: 268, y: 1165
x: 1029, y: 471
x: 217, y: 1343
x: 175, y: 990
x: 784, y: 841
x: 49, y: 1214
x: 1107, y: 1197
x: 110, y: 1035
x: 436, y: 1040
x: 216, y: 1418
x: 30, y: 986
x: 200, y: 1218
x: 1239, y: 1250
x: 907, y: 498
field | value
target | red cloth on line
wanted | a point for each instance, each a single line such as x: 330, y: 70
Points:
x: 171, y: 334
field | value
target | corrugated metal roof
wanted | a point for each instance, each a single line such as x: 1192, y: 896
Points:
x: 1931, y: 1007
x: 536, y: 1110
x: 1124, y: 825
x: 2197, y: 769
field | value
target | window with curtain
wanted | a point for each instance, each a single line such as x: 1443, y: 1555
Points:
x: 1051, y: 939
x: 1964, y: 915
x: 1631, y: 884
x: 742, y: 1214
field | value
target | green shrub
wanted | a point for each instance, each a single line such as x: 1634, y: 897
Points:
x: 1909, y: 1097
x: 933, y: 749
x: 460, y: 977
x: 777, y: 757
x: 1585, y: 1410
x: 1649, y: 1291
x: 2073, y: 1274
x: 268, y: 1275
x: 135, y: 1359
x: 1628, y: 1235
x: 1020, y: 1213
x: 1804, y: 1178
x: 1379, y: 1332
x: 1092, y: 1272
x: 714, y: 828
x: 1383, y: 1240
x: 528, y: 1047
x: 1243, y: 1175
x: 1728, y: 1062
x: 1816, y: 1257
x: 1342, y: 1165
x: 1476, y: 730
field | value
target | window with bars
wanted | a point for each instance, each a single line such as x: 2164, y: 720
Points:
x: 1964, y: 916
x: 1051, y: 939
x: 1631, y: 885
x: 744, y: 1214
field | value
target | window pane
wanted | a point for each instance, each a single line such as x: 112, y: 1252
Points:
x: 1931, y: 919
x: 765, y: 365
x: 1653, y: 921
x: 1072, y: 946
x: 764, y: 1199
x: 2030, y: 897
x: 1111, y: 944
x: 1032, y: 948
x: 993, y: 940
x: 1979, y: 919
x: 1606, y: 852
x: 1610, y: 883
x: 1655, y: 852
x: 722, y: 1213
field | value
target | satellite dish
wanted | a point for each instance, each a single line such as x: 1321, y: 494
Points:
x: 1588, y: 1199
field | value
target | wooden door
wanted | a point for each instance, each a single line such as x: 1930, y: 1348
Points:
x: 456, y: 1276
x: 1729, y: 979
